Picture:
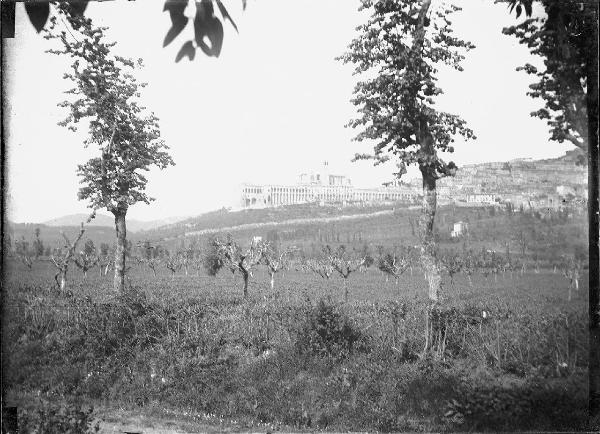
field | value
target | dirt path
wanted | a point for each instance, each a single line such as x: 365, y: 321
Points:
x: 299, y: 221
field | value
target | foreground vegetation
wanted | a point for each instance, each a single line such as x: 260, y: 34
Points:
x: 515, y: 353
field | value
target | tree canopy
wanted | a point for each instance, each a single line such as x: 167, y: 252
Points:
x: 397, y: 105
x: 106, y: 94
x: 562, y: 41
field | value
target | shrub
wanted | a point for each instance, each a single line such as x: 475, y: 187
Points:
x: 51, y: 418
x: 328, y: 332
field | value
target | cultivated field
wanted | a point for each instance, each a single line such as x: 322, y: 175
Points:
x: 298, y: 357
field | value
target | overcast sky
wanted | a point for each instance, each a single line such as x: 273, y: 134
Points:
x: 272, y: 106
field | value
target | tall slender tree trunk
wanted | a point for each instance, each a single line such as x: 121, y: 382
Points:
x: 272, y: 280
x: 346, y: 295
x: 426, y: 221
x: 246, y: 277
x: 119, y: 279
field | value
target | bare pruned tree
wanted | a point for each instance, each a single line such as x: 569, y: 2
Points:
x: 451, y: 263
x: 571, y: 269
x: 64, y: 256
x: 87, y: 258
x: 276, y: 260
x: 23, y: 252
x: 239, y: 259
x: 319, y: 266
x: 173, y: 264
x: 344, y: 263
x: 394, y: 264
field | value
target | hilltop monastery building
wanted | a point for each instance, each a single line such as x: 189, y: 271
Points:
x: 324, y: 188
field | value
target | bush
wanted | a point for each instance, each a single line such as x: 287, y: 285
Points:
x: 50, y: 418
x: 328, y: 332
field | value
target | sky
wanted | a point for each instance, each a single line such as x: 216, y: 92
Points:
x: 273, y: 105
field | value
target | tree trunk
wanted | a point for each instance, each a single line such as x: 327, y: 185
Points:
x: 272, y: 280
x: 63, y: 279
x: 346, y: 290
x: 119, y: 279
x: 426, y: 221
x: 246, y: 277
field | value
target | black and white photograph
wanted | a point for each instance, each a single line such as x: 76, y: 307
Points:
x: 260, y: 216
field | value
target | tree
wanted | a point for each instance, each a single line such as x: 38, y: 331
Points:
x: 38, y: 245
x: 401, y: 45
x: 571, y: 269
x: 173, y: 263
x: 23, y: 252
x: 320, y: 266
x: 451, y: 261
x: 567, y: 39
x: 469, y: 264
x: 344, y: 263
x: 63, y: 256
x: 560, y: 38
x: 104, y: 260
x: 394, y: 264
x: 149, y: 256
x: 212, y: 259
x: 106, y: 94
x: 87, y: 258
x: 240, y: 259
x: 275, y: 259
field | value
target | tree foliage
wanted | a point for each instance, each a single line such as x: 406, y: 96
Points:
x: 397, y: 105
x: 106, y: 94
x: 561, y: 40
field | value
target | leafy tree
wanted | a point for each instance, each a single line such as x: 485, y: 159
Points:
x: 561, y: 39
x: 211, y: 259
x: 106, y: 94
x: 567, y: 39
x: 399, y: 48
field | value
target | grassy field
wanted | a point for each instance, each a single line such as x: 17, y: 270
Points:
x: 297, y: 357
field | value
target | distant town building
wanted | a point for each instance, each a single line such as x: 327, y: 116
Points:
x: 459, y: 229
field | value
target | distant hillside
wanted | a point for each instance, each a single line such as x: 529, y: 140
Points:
x: 108, y: 221
x: 224, y: 219
x: 51, y: 235
x: 76, y: 219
